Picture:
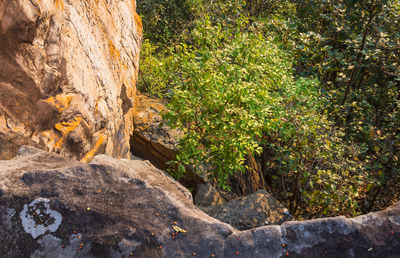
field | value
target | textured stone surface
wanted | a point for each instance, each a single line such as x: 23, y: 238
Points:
x: 151, y: 140
x: 206, y: 195
x: 68, y: 70
x: 119, y: 208
x: 250, y: 211
x: 107, y: 208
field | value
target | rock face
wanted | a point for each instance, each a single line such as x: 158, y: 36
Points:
x: 251, y: 211
x: 67, y: 75
x: 51, y: 206
x: 153, y: 140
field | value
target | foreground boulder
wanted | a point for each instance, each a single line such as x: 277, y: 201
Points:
x: 250, y: 211
x: 68, y: 71
x: 51, y: 206
x: 56, y: 207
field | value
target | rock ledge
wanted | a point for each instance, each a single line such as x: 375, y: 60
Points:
x: 52, y: 206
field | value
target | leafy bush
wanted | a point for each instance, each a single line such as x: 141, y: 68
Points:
x: 353, y: 48
x: 316, y: 171
x: 164, y: 20
x: 223, y: 91
x: 152, y: 65
x: 328, y: 130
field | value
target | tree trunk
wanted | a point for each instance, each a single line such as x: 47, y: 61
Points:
x: 252, y: 180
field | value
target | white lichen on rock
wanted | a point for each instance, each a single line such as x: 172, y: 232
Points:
x: 52, y: 246
x: 37, y: 217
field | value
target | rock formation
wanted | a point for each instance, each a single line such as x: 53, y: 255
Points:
x: 251, y: 211
x: 154, y: 140
x: 68, y: 70
x: 52, y: 206
x: 206, y: 195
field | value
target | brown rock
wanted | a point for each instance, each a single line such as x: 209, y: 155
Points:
x: 155, y: 141
x: 51, y: 206
x: 206, y: 195
x: 250, y: 211
x: 67, y: 75
x: 10, y: 143
x: 152, y: 139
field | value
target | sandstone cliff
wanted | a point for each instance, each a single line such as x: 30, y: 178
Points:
x: 68, y: 70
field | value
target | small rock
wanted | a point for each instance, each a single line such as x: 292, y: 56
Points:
x: 250, y: 211
x: 206, y: 195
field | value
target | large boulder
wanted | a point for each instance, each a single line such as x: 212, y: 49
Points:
x: 251, y: 211
x: 68, y: 70
x: 52, y: 206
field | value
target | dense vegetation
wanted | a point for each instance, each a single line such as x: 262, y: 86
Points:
x: 311, y: 89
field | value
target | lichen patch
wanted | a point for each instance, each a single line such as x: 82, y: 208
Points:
x: 37, y: 217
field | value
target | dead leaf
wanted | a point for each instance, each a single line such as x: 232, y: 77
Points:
x: 178, y: 229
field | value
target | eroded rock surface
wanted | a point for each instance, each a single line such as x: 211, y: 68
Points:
x: 206, y: 195
x: 68, y: 70
x: 152, y: 139
x: 51, y: 206
x: 250, y: 211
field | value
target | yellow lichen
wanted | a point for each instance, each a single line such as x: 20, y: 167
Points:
x: 65, y: 128
x: 138, y: 22
x: 115, y: 54
x: 59, y: 4
x: 61, y: 102
x: 92, y: 152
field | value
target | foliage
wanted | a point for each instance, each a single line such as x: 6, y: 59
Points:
x: 152, y: 65
x: 223, y: 91
x: 329, y: 127
x: 316, y: 170
x: 164, y: 20
x: 353, y: 47
x: 234, y: 88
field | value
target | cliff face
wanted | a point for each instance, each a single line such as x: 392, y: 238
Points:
x: 68, y: 70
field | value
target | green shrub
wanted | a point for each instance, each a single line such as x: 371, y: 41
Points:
x: 152, y: 65
x: 329, y: 127
x: 352, y: 46
x: 223, y: 91
x: 316, y: 170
